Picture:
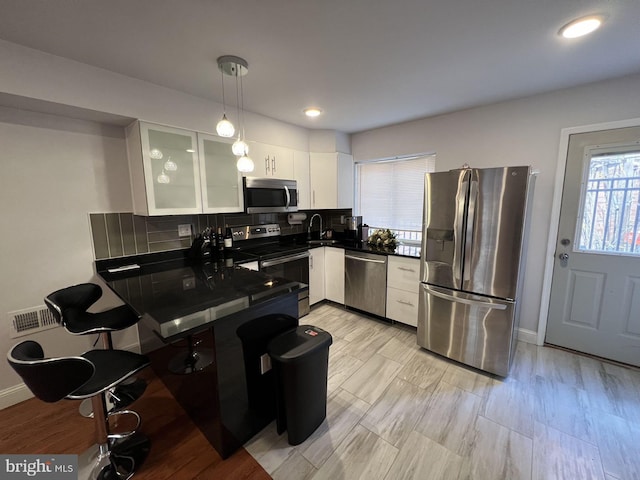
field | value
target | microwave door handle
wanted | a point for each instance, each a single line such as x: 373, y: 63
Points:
x: 288, y: 195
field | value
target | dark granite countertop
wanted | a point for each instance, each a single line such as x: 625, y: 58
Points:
x: 176, y: 296
x: 411, y: 251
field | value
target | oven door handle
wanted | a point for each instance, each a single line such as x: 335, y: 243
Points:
x: 286, y: 190
x: 281, y: 260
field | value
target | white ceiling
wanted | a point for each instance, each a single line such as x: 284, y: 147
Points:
x: 366, y: 63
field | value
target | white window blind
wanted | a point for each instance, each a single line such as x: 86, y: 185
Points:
x: 390, y: 193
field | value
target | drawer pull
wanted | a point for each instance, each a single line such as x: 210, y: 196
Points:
x: 403, y: 302
x: 407, y: 269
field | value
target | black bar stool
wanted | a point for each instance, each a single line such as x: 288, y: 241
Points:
x: 69, y: 307
x: 88, y: 376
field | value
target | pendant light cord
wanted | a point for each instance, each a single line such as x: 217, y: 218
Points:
x: 238, y: 106
x: 242, y: 109
x: 224, y: 108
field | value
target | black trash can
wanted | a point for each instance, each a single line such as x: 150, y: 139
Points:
x: 300, y: 358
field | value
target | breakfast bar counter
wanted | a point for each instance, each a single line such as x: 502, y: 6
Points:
x: 205, y: 327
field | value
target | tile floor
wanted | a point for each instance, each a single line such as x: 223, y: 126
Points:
x: 395, y: 411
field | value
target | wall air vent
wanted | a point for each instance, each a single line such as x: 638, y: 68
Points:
x: 31, y: 320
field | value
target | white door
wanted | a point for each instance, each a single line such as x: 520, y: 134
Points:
x: 595, y: 292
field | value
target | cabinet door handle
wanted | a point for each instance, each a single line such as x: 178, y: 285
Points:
x: 266, y: 164
x: 405, y: 269
x: 310, y: 261
x: 403, y: 302
x: 273, y: 164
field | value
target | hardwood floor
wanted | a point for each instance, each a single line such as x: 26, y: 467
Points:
x: 178, y: 449
x: 395, y: 411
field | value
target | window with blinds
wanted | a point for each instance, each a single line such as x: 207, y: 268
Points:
x: 389, y: 194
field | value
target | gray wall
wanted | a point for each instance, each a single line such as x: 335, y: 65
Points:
x: 54, y: 171
x: 518, y: 132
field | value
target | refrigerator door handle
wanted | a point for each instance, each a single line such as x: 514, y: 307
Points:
x: 468, y: 241
x: 466, y: 301
x: 458, y: 229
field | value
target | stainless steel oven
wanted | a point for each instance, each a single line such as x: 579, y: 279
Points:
x: 291, y: 262
x: 292, y: 267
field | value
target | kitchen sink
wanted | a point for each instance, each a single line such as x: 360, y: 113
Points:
x: 322, y: 242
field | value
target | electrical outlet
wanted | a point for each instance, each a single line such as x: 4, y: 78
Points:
x: 342, y: 220
x: 184, y: 230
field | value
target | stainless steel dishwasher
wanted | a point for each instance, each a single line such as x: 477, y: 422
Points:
x: 365, y: 282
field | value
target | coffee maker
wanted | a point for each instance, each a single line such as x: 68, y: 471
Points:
x: 353, y: 229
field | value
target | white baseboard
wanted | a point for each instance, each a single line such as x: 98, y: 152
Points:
x: 527, y: 336
x: 12, y: 395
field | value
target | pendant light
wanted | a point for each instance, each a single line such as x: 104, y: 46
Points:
x: 224, y: 127
x: 238, y: 67
x: 239, y: 147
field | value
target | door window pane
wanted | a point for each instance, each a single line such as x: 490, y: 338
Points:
x: 610, y: 204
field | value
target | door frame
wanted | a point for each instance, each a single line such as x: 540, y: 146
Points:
x: 552, y: 239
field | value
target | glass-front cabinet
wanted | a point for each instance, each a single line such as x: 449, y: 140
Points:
x: 221, y: 182
x: 175, y: 171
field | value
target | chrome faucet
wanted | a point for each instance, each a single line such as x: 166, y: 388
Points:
x: 311, y: 223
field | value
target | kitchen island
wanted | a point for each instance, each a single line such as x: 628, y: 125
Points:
x: 205, y: 327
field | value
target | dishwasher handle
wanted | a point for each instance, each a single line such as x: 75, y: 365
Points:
x: 362, y: 259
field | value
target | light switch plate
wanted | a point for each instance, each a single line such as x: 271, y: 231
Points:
x: 184, y: 230
x: 265, y: 363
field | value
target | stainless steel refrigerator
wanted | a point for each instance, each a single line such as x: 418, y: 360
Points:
x: 473, y: 243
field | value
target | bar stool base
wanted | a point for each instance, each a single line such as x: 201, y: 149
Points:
x: 190, y: 362
x: 118, y: 463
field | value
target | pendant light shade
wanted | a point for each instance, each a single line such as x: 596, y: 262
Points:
x: 164, y: 178
x: 170, y: 165
x: 240, y: 147
x: 225, y: 128
x: 244, y: 164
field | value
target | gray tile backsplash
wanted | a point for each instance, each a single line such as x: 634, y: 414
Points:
x: 122, y: 234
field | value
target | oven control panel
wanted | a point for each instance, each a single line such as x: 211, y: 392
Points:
x: 249, y: 232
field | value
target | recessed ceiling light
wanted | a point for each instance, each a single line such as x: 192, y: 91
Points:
x: 312, y: 112
x: 581, y: 26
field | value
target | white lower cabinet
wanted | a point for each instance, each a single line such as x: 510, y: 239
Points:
x: 403, y: 278
x: 326, y: 281
x: 334, y: 274
x: 316, y: 275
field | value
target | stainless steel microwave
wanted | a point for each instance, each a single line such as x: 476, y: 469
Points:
x: 265, y: 195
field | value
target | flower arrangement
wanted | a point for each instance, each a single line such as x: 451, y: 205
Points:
x: 382, y: 238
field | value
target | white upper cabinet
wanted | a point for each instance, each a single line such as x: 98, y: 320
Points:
x: 271, y: 161
x: 301, y: 176
x: 221, y: 182
x: 331, y: 180
x: 175, y: 171
x: 164, y: 169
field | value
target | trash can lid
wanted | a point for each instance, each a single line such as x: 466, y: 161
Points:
x: 298, y: 342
